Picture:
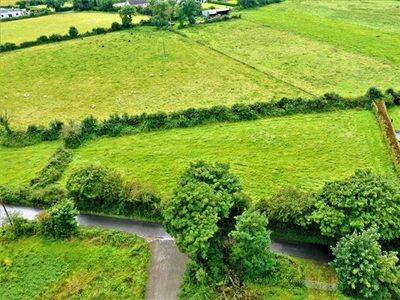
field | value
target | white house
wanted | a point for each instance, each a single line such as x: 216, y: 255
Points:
x: 6, y: 13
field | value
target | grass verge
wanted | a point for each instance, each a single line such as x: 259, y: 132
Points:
x: 100, y: 264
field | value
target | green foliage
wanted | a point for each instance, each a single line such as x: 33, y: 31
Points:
x: 201, y: 214
x: 73, y: 32
x: 16, y: 227
x: 56, y: 4
x: 287, y: 205
x: 254, y: 3
x: 191, y: 216
x: 250, y: 256
x: 126, y: 13
x: 53, y: 169
x: 188, y: 10
x: 63, y: 215
x: 364, y: 272
x: 105, y: 5
x: 95, y: 187
x: 163, y: 10
x: 139, y: 200
x: 216, y: 175
x: 83, y: 4
x: 359, y: 202
x: 72, y: 135
x: 374, y: 94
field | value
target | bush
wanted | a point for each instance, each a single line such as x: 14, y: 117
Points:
x: 73, y: 32
x: 16, y: 228
x: 115, y: 26
x: 54, y: 168
x: 56, y: 37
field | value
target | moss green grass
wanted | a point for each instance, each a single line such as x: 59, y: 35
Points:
x: 19, y: 165
x: 30, y: 29
x: 305, y: 61
x: 394, y: 113
x: 125, y: 72
x: 33, y: 268
x: 266, y: 155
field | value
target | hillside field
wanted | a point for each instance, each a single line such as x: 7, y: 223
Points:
x: 30, y: 29
x: 294, y: 48
x: 125, y: 72
x: 266, y: 155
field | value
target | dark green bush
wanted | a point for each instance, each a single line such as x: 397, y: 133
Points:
x: 115, y: 26
x: 56, y: 37
x: 8, y: 47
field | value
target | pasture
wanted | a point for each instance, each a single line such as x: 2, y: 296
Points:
x: 394, y: 113
x: 30, y: 29
x: 266, y: 155
x: 89, y: 267
x: 125, y: 72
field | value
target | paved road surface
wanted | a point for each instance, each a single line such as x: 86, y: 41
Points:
x: 167, y: 263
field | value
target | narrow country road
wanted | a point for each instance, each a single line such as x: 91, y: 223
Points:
x: 167, y: 264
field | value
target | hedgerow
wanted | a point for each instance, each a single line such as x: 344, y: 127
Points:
x: 74, y: 134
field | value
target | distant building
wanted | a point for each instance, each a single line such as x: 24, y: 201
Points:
x: 6, y: 13
x: 137, y: 2
x: 210, y: 13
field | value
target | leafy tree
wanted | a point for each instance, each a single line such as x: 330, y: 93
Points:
x: 359, y: 202
x: 56, y: 4
x: 201, y: 214
x: 162, y: 10
x: 83, y: 4
x: 248, y: 3
x: 364, y: 272
x: 95, y: 187
x: 105, y: 5
x: 63, y: 215
x: 73, y: 31
x: 126, y: 13
x: 188, y: 10
x: 250, y: 255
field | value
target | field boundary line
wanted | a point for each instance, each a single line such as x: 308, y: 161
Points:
x: 246, y: 64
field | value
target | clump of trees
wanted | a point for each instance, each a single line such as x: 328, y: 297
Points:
x: 212, y: 223
x: 255, y: 3
x: 364, y: 271
x: 59, y: 221
x: 97, y: 188
x: 362, y: 201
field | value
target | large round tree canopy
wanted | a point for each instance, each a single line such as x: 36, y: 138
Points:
x: 359, y: 202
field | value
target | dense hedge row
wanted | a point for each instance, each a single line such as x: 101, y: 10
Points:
x: 43, y: 39
x: 75, y: 134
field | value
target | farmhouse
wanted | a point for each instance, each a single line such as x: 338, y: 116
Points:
x: 6, y: 13
x: 210, y: 13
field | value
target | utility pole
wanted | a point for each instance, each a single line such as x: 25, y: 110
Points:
x: 5, y: 209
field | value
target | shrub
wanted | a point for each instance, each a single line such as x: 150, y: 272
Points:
x: 16, y: 228
x: 56, y: 37
x: 54, y: 168
x: 115, y: 26
x: 73, y: 32
x: 72, y: 135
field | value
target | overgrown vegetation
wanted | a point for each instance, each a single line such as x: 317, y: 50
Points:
x: 75, y: 268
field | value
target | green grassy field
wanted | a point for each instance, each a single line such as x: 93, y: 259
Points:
x: 394, y: 113
x: 30, y: 29
x: 105, y: 70
x: 266, y: 155
x: 302, y: 150
x: 308, y: 62
x: 33, y: 268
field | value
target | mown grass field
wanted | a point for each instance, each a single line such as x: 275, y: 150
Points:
x: 105, y: 70
x: 33, y: 268
x: 394, y: 113
x: 30, y: 29
x: 266, y: 155
x: 303, y: 47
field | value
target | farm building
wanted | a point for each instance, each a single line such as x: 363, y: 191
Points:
x: 210, y: 13
x: 6, y: 13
